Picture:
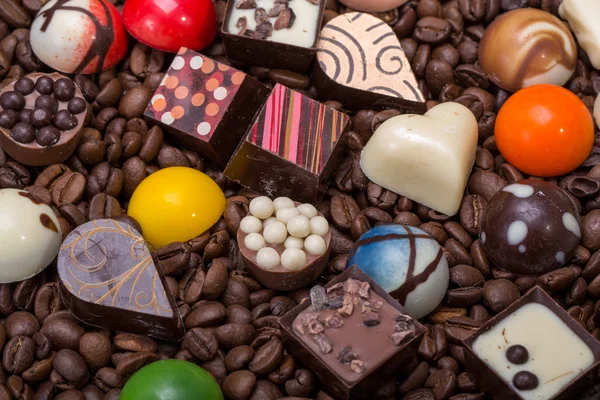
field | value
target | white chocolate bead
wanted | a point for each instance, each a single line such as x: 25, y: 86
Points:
x: 283, y: 202
x: 254, y: 241
x: 284, y: 215
x: 251, y: 224
x: 267, y: 258
x: 293, y: 242
x: 299, y: 226
x: 319, y: 226
x: 275, y: 233
x: 293, y: 259
x: 427, y: 158
x: 308, y: 210
x: 315, y: 244
x: 262, y: 207
x: 268, y: 221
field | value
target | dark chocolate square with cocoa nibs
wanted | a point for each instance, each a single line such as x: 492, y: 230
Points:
x: 41, y: 118
x: 206, y: 105
x: 532, y: 350
x: 352, y: 353
x: 292, y: 148
x: 273, y: 33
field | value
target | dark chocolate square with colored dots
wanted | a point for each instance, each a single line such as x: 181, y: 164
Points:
x: 205, y: 104
x: 532, y: 350
x: 292, y: 148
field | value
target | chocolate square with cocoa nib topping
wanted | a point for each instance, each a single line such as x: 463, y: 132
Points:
x: 292, y: 148
x: 278, y: 34
x: 206, y: 105
x: 356, y: 352
x: 534, y: 349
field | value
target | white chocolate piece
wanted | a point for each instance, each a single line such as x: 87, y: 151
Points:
x: 262, y: 207
x: 299, y: 226
x: 597, y: 110
x: 308, y: 210
x: 275, y: 233
x: 556, y: 354
x: 302, y: 32
x: 319, y: 226
x: 251, y: 224
x: 283, y: 202
x: 294, y: 242
x: 293, y: 259
x: 315, y: 244
x: 30, y: 236
x: 584, y: 18
x: 267, y: 258
x: 254, y: 241
x: 285, y: 214
x: 268, y: 221
x: 427, y: 158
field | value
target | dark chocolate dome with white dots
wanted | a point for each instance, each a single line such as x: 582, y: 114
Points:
x: 530, y: 227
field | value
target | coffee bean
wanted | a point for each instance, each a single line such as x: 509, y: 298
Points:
x: 39, y: 371
x: 432, y: 30
x: 47, y: 301
x: 96, y: 349
x: 134, y: 102
x: 472, y: 10
x: 216, y: 279
x: 18, y: 354
x: 71, y: 366
x: 460, y: 328
x: 207, y: 314
x: 25, y: 291
x: 238, y: 358
x: 290, y: 79
x: 591, y: 230
x: 239, y: 385
x: 201, y: 343
x: 416, y: 379
x: 421, y: 59
x: 499, y: 294
x: 174, y: 258
x: 507, y: 5
x: 62, y: 333
x: 14, y: 175
x: 104, y: 206
x: 420, y: 394
x: 14, y: 15
x: 443, y: 382
x: 21, y: 323
x: 132, y: 362
x: 438, y: 74
x: 134, y: 172
x: 69, y: 188
x: 235, y: 334
x: 235, y: 292
x: 107, y: 378
x: 267, y: 358
x: 133, y: 342
x: 302, y: 384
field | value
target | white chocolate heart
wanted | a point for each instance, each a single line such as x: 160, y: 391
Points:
x: 427, y: 158
x: 584, y: 18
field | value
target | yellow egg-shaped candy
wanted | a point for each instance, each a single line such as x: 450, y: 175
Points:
x: 175, y: 205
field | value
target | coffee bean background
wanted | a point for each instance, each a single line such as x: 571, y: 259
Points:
x: 231, y: 320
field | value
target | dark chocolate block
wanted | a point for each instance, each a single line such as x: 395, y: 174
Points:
x: 206, y: 105
x: 360, y: 62
x: 276, y: 36
x: 532, y: 350
x: 353, y: 349
x: 291, y: 149
x: 109, y: 278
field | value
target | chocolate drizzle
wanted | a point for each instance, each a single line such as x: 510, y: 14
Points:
x: 103, y: 38
x: 48, y: 223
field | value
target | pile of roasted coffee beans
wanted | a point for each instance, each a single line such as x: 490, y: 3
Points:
x: 231, y: 320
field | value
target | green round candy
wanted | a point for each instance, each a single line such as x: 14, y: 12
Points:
x: 171, y: 380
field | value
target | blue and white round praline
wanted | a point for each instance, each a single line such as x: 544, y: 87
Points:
x: 406, y: 262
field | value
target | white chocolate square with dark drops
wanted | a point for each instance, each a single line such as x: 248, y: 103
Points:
x: 555, y: 354
x: 427, y: 158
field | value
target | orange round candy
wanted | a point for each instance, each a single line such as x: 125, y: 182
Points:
x: 544, y: 130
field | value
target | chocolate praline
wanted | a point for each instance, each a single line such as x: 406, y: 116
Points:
x: 530, y: 227
x: 280, y: 278
x: 48, y: 145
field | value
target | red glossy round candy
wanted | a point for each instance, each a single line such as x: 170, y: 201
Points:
x: 168, y: 25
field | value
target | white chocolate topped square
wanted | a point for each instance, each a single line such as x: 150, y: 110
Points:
x: 302, y: 33
x: 557, y: 355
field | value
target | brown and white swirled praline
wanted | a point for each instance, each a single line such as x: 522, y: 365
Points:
x: 527, y: 47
